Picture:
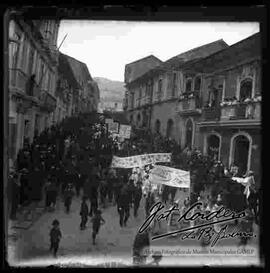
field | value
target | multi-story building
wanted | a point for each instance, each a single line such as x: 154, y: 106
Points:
x: 33, y: 60
x: 207, y: 98
x: 230, y: 123
x: 87, y: 96
x: 67, y: 90
x: 152, y: 98
x: 134, y: 71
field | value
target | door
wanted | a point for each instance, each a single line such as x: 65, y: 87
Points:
x: 241, y: 153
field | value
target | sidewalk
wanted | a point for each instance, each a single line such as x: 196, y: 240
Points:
x: 26, y: 216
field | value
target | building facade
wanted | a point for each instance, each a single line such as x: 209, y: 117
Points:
x: 33, y: 61
x: 152, y: 99
x: 88, y: 95
x: 207, y: 98
x: 230, y: 124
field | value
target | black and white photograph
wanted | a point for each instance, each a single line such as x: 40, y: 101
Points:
x: 132, y: 142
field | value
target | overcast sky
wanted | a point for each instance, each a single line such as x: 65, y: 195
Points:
x: 107, y: 46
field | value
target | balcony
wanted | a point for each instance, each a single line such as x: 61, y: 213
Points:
x: 211, y: 113
x: 48, y: 101
x: 241, y: 111
x: 19, y: 81
x: 189, y: 105
x: 143, y: 101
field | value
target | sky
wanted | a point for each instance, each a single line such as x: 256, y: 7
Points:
x: 107, y: 46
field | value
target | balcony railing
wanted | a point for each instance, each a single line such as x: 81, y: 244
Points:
x: 211, y: 113
x: 241, y: 111
x: 19, y: 80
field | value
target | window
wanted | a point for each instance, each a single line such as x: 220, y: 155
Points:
x: 138, y: 118
x: 14, y: 49
x: 31, y: 61
x: 157, y: 126
x: 174, y: 85
x: 159, y: 95
x: 189, y: 133
x: 132, y: 100
x: 197, y: 84
x: 140, y: 93
x: 245, y: 90
x: 47, y: 29
x: 188, y: 85
x: 169, y: 132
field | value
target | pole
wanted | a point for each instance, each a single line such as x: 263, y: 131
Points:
x: 62, y: 42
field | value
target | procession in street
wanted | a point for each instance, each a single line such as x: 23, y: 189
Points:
x: 160, y: 169
x: 94, y: 207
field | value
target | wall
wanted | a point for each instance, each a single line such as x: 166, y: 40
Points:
x: 164, y: 112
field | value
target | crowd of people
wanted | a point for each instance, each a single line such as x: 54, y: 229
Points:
x: 74, y: 157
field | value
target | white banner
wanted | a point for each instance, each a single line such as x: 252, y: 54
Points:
x: 124, y: 131
x: 139, y: 160
x: 113, y: 127
x: 170, y: 176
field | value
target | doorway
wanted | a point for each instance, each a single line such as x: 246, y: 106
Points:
x: 213, y: 144
x: 241, y: 148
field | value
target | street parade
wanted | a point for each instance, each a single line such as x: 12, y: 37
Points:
x: 129, y: 142
x: 83, y: 159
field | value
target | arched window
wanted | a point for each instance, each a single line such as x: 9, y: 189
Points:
x: 189, y: 133
x: 188, y: 85
x: 157, y: 126
x: 169, y: 132
x: 197, y: 84
x: 138, y: 118
x: 245, y: 89
x: 241, y: 149
x: 213, y: 145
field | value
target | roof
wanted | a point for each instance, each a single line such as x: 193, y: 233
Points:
x: 186, y: 57
x: 199, y: 52
x: 142, y: 59
x: 135, y: 69
x: 65, y: 70
x: 79, y: 69
x: 243, y: 50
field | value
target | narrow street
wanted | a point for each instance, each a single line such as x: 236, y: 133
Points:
x: 113, y: 242
x: 156, y: 148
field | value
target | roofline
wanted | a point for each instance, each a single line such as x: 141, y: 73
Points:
x: 160, y: 67
x: 231, y: 46
x: 144, y: 59
x: 73, y: 59
x: 198, y: 47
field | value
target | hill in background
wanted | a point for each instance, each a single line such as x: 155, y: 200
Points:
x: 110, y: 91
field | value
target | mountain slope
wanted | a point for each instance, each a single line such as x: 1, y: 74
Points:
x: 110, y: 91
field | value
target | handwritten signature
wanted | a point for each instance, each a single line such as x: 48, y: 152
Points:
x: 206, y: 230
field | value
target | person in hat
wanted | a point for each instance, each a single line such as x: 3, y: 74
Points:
x: 84, y: 213
x: 123, y: 205
x: 97, y: 221
x: 55, y: 237
x: 68, y: 194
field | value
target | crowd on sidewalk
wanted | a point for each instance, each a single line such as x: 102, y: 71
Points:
x: 75, y: 157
